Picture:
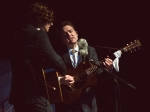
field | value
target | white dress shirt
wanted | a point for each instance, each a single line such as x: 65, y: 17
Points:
x: 77, y: 57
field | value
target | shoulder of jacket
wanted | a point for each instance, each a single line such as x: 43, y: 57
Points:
x: 89, y: 47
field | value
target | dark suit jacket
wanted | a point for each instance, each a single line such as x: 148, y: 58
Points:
x: 31, y: 48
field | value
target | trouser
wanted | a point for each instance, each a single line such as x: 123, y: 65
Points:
x: 36, y: 107
x: 5, y: 106
x: 86, y: 103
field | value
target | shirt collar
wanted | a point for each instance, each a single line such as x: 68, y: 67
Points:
x: 76, y: 49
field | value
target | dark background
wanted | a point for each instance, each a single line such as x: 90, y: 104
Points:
x: 101, y: 23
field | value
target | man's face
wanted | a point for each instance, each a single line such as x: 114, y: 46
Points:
x: 69, y: 35
x: 46, y: 26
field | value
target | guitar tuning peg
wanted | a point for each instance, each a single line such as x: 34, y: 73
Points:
x: 131, y: 51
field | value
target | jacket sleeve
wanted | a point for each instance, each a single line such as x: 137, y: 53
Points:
x: 102, y: 75
x: 46, y: 50
x: 94, y: 55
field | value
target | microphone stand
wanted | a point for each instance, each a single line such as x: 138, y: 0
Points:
x: 118, y: 96
x: 117, y: 77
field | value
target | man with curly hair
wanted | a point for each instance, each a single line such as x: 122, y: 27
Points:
x: 32, y: 46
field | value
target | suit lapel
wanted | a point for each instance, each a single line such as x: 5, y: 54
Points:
x: 67, y: 60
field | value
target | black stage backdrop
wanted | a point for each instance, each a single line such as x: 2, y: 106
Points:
x: 101, y: 23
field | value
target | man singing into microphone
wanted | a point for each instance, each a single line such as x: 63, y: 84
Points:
x: 72, y: 57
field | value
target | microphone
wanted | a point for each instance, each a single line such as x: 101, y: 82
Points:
x: 83, y: 47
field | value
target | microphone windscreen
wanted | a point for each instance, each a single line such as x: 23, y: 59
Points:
x: 83, y: 46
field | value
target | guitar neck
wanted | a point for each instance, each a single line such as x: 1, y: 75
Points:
x: 112, y: 56
x: 129, y: 47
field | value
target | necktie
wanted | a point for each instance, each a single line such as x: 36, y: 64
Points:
x: 74, y: 60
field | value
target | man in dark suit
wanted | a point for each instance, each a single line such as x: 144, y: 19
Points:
x: 31, y: 48
x: 70, y: 54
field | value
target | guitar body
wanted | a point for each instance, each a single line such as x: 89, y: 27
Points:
x: 63, y: 93
x: 53, y: 87
x: 71, y: 94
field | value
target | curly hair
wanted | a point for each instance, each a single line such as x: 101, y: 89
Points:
x: 39, y: 14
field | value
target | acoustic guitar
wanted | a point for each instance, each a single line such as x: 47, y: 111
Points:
x: 83, y: 78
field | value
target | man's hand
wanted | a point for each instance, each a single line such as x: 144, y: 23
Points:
x: 108, y: 63
x: 67, y: 80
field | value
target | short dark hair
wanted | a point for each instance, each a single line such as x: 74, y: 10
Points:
x: 39, y: 13
x: 67, y: 22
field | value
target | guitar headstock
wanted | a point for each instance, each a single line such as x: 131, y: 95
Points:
x: 132, y: 46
